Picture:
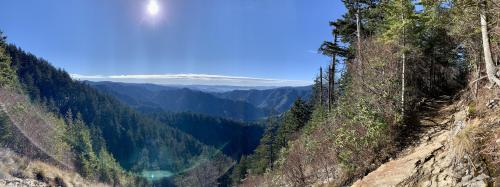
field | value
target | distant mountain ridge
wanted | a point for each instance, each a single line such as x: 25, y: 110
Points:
x: 252, y: 104
x: 277, y: 99
x: 154, y: 98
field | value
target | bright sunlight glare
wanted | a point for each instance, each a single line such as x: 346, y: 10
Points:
x: 153, y: 8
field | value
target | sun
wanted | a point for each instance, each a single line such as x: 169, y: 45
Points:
x: 153, y: 8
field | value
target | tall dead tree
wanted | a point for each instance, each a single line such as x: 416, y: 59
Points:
x: 331, y: 74
x: 358, y: 33
x: 330, y: 90
x: 321, y: 86
x: 403, y: 61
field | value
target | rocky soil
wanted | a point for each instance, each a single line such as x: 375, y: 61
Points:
x: 445, y: 152
x: 17, y: 182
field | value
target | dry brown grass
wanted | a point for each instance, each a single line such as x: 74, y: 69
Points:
x: 14, y: 166
x: 463, y: 144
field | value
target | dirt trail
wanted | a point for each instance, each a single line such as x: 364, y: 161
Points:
x: 428, y: 162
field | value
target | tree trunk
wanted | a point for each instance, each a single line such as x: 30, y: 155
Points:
x: 358, y: 32
x: 321, y: 86
x: 331, y: 82
x: 403, y: 69
x: 403, y: 86
x: 478, y: 75
x: 329, y: 87
x: 491, y: 70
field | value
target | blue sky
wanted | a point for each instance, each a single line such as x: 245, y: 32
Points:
x: 273, y: 41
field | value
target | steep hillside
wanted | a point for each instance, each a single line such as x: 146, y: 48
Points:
x: 157, y: 98
x: 136, y: 141
x: 18, y: 119
x: 17, y: 171
x: 277, y: 99
x: 46, y: 143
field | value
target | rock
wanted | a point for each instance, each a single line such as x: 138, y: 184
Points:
x: 466, y: 178
x: 482, y: 177
x: 445, y: 121
x: 492, y: 104
x: 478, y: 181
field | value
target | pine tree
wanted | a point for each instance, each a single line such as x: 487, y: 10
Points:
x: 8, y: 76
x: 400, y: 23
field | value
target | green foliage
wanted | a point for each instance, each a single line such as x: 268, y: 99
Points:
x: 8, y: 76
x: 274, y: 140
x: 318, y: 116
x: 293, y: 121
x: 5, y: 128
x: 240, y: 170
x: 97, y: 164
x: 125, y: 133
x: 233, y: 138
x: 265, y: 151
x: 400, y: 21
x: 370, y: 17
x: 79, y: 139
x: 362, y: 129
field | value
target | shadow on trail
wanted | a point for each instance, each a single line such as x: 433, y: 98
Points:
x: 419, y: 122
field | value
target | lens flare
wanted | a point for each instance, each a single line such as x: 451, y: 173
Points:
x: 153, y: 8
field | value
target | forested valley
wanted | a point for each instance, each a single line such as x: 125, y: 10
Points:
x: 410, y: 97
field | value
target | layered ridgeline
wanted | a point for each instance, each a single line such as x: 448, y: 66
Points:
x: 147, y: 97
x: 278, y: 100
x: 250, y: 104
x: 107, y: 129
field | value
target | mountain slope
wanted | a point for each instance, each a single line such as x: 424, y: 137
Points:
x: 277, y: 99
x: 28, y: 130
x: 135, y: 140
x: 232, y: 137
x: 16, y: 170
x: 147, y: 97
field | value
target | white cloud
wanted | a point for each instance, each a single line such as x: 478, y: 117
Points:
x: 199, y: 79
x: 84, y: 77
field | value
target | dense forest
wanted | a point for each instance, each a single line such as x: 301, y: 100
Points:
x: 110, y: 120
x: 96, y: 123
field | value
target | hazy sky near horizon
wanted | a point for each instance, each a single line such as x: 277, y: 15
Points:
x: 270, y: 41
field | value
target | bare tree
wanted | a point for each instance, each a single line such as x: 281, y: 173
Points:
x: 321, y: 86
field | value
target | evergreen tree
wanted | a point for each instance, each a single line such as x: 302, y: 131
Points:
x: 265, y: 152
x: 79, y: 138
x: 8, y: 76
x: 293, y: 121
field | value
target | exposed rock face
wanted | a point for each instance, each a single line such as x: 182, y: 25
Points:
x: 432, y: 162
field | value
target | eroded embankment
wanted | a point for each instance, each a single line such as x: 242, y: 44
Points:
x: 449, y: 151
